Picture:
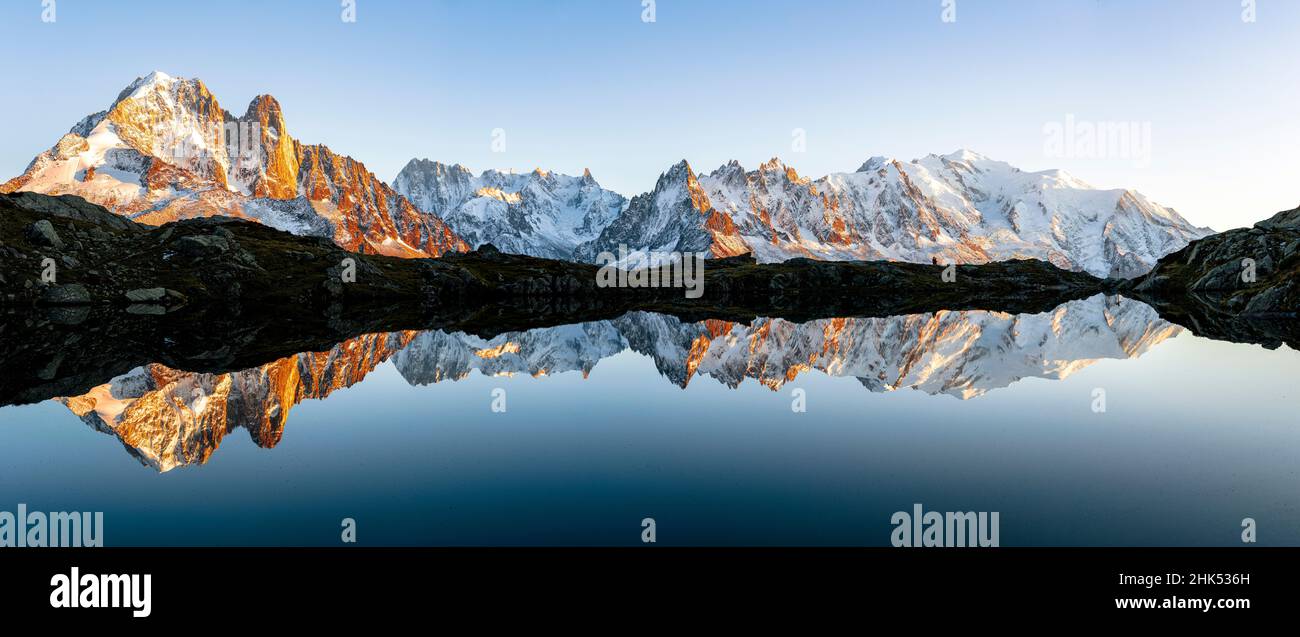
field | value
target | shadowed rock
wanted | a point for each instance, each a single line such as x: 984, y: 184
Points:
x: 1241, y: 285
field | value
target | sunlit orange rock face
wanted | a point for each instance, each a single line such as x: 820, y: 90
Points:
x: 148, y: 122
x: 279, y: 170
x: 840, y: 232
x: 371, y: 216
x: 166, y: 150
x: 725, y: 238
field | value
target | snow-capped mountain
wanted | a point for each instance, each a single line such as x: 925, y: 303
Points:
x: 956, y: 208
x: 676, y: 216
x: 166, y: 150
x: 540, y: 213
x: 169, y: 418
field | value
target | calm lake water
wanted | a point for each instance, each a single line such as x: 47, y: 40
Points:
x: 697, y: 425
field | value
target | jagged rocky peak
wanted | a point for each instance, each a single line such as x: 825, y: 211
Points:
x: 162, y: 152
x: 145, y: 83
x: 874, y: 163
x: 962, y: 207
x: 677, y: 216
x: 431, y: 167
x: 176, y: 119
x: 430, y: 185
x: 166, y: 150
x: 539, y: 213
x: 266, y: 110
x: 679, y: 170
x: 679, y: 186
x: 731, y: 173
x: 775, y: 165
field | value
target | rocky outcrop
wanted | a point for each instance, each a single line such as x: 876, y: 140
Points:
x: 1241, y: 285
x: 1252, y: 271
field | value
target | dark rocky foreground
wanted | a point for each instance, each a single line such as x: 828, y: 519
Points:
x: 88, y: 295
x: 1240, y: 285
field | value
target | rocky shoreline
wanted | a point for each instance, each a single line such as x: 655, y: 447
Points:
x: 1241, y: 285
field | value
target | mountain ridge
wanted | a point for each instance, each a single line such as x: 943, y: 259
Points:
x: 962, y: 207
x: 166, y: 150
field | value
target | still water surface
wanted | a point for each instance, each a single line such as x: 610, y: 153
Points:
x: 696, y: 425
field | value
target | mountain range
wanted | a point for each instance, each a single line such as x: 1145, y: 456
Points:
x: 166, y: 150
x: 541, y: 214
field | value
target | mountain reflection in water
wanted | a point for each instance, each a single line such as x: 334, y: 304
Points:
x: 168, y: 418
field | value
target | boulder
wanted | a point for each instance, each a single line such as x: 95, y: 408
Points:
x: 42, y: 233
x: 202, y: 246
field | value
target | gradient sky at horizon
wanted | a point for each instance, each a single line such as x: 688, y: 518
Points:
x: 577, y: 83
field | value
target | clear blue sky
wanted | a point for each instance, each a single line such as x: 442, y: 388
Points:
x: 588, y: 84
